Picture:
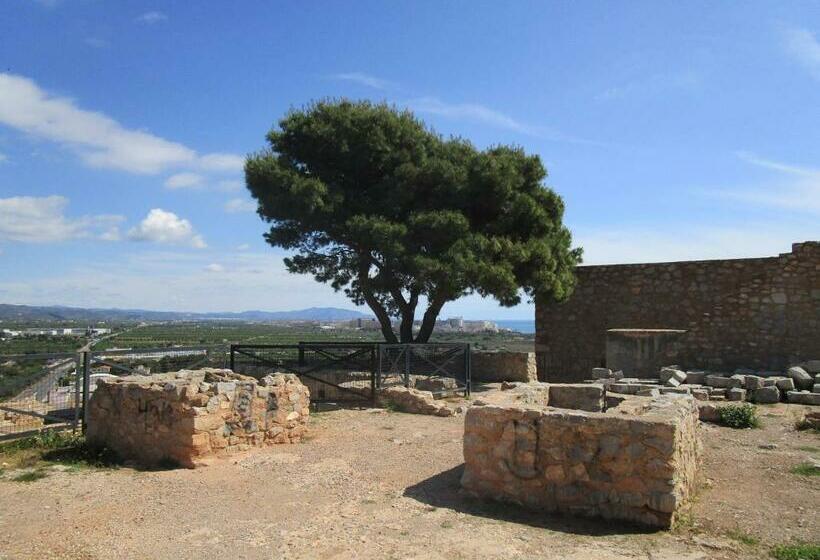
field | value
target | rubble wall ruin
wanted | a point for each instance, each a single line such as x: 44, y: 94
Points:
x: 502, y: 365
x: 187, y: 417
x: 638, y: 465
x: 761, y: 313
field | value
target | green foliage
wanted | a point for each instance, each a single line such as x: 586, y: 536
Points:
x: 380, y: 207
x: 30, y: 476
x: 54, y: 446
x: 739, y: 416
x: 796, y: 552
x: 744, y: 538
x: 806, y: 469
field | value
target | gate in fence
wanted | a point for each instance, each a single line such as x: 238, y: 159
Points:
x: 441, y: 368
x: 333, y: 372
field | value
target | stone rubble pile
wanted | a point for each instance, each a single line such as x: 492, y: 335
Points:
x: 800, y: 384
x: 189, y: 416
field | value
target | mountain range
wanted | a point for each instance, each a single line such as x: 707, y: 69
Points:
x: 10, y: 312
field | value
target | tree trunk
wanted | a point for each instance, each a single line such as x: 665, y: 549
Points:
x: 428, y: 322
x: 376, y: 306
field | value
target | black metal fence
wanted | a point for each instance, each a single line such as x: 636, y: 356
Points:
x: 441, y: 368
x: 332, y: 371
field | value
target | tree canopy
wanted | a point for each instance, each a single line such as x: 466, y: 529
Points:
x: 373, y: 202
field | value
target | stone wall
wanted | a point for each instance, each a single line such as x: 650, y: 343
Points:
x: 502, y: 366
x: 638, y: 466
x: 758, y: 313
x: 189, y: 416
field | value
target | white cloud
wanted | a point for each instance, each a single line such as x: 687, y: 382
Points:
x: 214, y: 267
x: 653, y: 85
x: 469, y: 111
x: 794, y: 187
x: 3, y: 157
x: 184, y: 181
x: 29, y: 219
x: 222, y: 162
x: 160, y: 226
x: 237, y: 205
x: 150, y: 18
x: 243, y: 247
x: 363, y: 79
x: 99, y: 140
x: 803, y: 45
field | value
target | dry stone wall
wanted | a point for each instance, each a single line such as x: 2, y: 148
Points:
x: 756, y: 313
x: 638, y: 466
x: 188, y: 417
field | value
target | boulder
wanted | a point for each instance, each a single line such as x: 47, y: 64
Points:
x: 436, y: 384
x: 413, y: 401
x: 766, y: 395
x: 802, y: 379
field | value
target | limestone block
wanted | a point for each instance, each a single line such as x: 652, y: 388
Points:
x: 766, y: 395
x: 802, y: 379
x: 753, y: 382
x: 816, y: 388
x: 695, y: 377
x: 803, y: 397
x: 715, y: 380
x: 503, y: 366
x: 736, y: 394
x: 577, y: 396
x: 785, y: 385
x: 413, y: 401
x: 674, y: 377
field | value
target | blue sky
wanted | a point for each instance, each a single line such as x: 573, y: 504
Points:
x: 673, y: 130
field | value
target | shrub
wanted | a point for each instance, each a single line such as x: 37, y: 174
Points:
x: 796, y: 552
x: 739, y: 416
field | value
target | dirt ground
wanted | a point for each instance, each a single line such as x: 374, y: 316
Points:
x: 372, y: 484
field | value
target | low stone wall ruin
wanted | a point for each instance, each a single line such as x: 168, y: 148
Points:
x: 188, y: 417
x: 503, y: 366
x: 638, y: 464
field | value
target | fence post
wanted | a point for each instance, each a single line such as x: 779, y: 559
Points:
x: 373, y: 373
x: 233, y: 364
x: 78, y: 364
x: 301, y: 354
x: 86, y: 386
x: 468, y: 361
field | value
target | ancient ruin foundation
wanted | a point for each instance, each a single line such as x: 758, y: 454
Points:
x: 637, y: 464
x: 188, y: 417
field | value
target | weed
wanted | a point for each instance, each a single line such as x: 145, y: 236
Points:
x: 796, y: 552
x: 809, y: 449
x: 744, y: 538
x: 739, y: 416
x: 806, y: 469
x: 30, y: 476
x: 446, y: 524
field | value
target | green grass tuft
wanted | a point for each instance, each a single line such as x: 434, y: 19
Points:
x: 796, y: 552
x: 806, y: 469
x: 739, y: 416
x: 744, y: 538
x: 30, y: 476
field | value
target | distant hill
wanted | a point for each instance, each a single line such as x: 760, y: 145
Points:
x: 61, y: 313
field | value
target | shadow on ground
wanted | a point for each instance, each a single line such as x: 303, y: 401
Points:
x: 444, y: 491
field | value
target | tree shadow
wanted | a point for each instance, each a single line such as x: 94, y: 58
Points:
x: 444, y: 491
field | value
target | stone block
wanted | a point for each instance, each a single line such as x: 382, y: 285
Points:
x: 502, y: 365
x: 721, y: 382
x: 803, y: 397
x: 816, y: 388
x: 802, y: 379
x: 753, y: 382
x: 736, y: 394
x: 785, y: 385
x: 674, y: 377
x: 766, y: 395
x: 601, y: 373
x: 638, y: 466
x: 577, y: 396
x: 695, y: 377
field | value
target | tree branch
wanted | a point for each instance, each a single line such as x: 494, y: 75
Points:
x: 428, y: 322
x: 375, y: 304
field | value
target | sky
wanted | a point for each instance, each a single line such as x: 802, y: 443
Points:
x: 673, y: 130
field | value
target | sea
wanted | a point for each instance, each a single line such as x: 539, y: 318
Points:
x: 522, y: 326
